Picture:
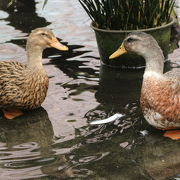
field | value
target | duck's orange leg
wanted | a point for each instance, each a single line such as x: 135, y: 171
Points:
x: 173, y: 134
x: 11, y: 113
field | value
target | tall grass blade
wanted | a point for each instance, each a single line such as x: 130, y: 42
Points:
x: 128, y: 14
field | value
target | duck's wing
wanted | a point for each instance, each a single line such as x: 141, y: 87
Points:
x: 11, y: 67
x: 10, y: 72
x: 11, y: 78
x: 173, y: 77
x: 174, y: 74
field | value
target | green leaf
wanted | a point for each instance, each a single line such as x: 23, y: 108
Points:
x: 45, y: 2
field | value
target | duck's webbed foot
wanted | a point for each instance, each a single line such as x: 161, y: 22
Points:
x: 11, y: 113
x: 173, y: 134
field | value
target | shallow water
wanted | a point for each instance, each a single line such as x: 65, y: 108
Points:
x: 56, y: 141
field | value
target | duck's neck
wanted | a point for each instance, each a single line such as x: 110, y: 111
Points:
x: 154, y: 62
x: 34, y: 56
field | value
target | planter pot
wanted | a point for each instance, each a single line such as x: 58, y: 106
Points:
x: 108, y: 42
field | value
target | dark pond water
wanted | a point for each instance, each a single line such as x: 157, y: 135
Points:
x: 56, y: 141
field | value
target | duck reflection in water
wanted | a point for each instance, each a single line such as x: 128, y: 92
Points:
x: 160, y: 159
x: 28, y: 144
x: 24, y: 143
x: 34, y: 127
x: 114, y: 95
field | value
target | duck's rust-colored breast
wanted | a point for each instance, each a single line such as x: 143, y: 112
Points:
x: 162, y: 97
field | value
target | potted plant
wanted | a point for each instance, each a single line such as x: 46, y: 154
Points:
x: 112, y: 20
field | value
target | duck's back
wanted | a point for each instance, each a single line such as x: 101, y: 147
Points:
x: 19, y: 87
x: 174, y: 75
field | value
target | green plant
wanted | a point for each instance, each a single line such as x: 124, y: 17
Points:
x: 128, y: 14
x: 10, y: 3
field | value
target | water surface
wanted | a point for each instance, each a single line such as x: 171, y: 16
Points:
x: 56, y: 140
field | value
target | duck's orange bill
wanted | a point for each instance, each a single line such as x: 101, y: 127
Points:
x: 119, y: 52
x: 56, y: 44
x: 173, y: 134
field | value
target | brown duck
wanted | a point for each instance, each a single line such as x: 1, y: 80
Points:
x: 24, y: 86
x: 160, y: 94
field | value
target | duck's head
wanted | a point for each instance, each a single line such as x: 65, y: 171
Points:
x: 44, y: 38
x: 140, y: 43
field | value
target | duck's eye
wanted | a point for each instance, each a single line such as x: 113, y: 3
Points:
x: 43, y: 34
x: 130, y: 40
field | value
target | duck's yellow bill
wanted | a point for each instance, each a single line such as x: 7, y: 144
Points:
x: 56, y: 44
x: 119, y: 52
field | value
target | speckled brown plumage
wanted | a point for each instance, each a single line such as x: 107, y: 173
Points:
x: 21, y: 87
